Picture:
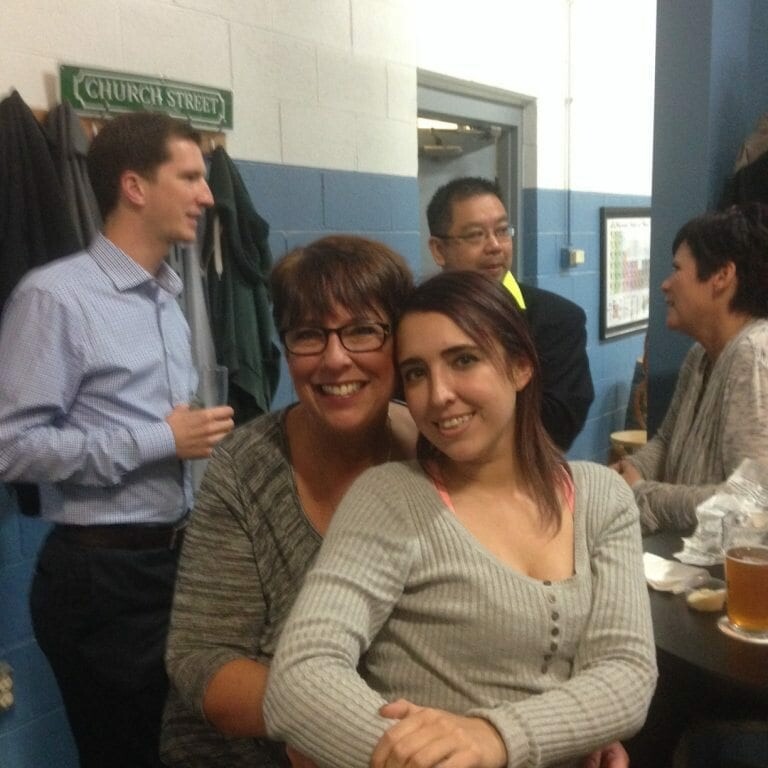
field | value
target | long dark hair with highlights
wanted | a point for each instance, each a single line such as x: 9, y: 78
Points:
x: 484, y: 310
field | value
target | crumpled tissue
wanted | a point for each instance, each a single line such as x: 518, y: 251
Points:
x: 669, y: 576
x: 746, y: 490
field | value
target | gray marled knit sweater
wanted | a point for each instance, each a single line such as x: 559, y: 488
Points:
x: 245, y: 554
x: 715, y: 419
x: 558, y: 668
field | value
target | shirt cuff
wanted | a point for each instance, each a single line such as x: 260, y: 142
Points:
x: 154, y: 442
x: 512, y: 734
x: 648, y: 520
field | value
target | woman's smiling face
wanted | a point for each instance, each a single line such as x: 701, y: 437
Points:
x: 461, y: 397
x: 344, y: 391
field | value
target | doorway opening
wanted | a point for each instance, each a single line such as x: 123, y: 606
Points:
x: 466, y: 129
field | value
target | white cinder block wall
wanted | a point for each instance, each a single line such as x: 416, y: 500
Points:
x: 332, y: 83
x: 317, y: 83
x: 592, y: 57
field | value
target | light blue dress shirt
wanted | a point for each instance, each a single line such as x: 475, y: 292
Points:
x: 94, y: 354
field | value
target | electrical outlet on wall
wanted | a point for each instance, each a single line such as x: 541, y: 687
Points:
x: 6, y: 686
x: 572, y: 257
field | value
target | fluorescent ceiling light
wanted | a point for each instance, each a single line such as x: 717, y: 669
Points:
x: 426, y: 122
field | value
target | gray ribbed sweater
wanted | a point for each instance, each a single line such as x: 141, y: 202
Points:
x: 558, y: 668
x: 713, y: 422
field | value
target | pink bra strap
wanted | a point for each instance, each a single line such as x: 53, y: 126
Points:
x: 568, y: 491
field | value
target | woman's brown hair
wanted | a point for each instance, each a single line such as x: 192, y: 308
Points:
x: 352, y: 272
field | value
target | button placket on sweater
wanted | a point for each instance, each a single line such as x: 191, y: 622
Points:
x: 554, y: 629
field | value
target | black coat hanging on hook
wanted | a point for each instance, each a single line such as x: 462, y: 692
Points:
x: 35, y: 226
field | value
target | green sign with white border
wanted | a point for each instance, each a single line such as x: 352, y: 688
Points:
x: 100, y: 92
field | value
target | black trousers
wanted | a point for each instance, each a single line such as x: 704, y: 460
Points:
x: 101, y: 617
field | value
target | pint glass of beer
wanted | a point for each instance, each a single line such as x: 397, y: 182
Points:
x: 745, y: 544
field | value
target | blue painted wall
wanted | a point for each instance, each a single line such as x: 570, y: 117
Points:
x: 612, y: 362
x: 711, y: 87
x: 34, y: 733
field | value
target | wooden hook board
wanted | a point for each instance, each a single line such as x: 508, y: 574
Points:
x: 91, y: 125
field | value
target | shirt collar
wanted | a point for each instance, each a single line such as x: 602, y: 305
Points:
x: 125, y: 273
x: 513, y: 287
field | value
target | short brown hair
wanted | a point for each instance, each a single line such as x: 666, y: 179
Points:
x: 137, y: 141
x: 346, y: 270
x: 738, y: 234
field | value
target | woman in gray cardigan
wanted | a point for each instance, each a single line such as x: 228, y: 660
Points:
x: 718, y: 295
x: 484, y: 606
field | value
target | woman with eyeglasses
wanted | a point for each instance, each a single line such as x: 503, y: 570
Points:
x: 484, y: 606
x: 269, y: 492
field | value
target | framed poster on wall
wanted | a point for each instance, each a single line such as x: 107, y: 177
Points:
x: 625, y: 268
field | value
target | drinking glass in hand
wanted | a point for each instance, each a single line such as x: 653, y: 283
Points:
x: 745, y: 543
x: 212, y: 387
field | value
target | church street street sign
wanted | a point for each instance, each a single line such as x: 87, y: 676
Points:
x: 99, y: 93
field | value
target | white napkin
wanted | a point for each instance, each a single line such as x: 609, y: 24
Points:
x: 667, y: 575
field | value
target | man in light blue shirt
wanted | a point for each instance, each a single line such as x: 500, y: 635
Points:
x: 95, y: 388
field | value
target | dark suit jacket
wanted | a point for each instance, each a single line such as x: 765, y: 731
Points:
x: 558, y: 327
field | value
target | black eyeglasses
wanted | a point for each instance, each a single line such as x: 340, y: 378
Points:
x: 479, y: 236
x: 355, y: 337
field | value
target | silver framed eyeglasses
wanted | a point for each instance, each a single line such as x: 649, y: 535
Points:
x: 479, y: 236
x: 354, y: 337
